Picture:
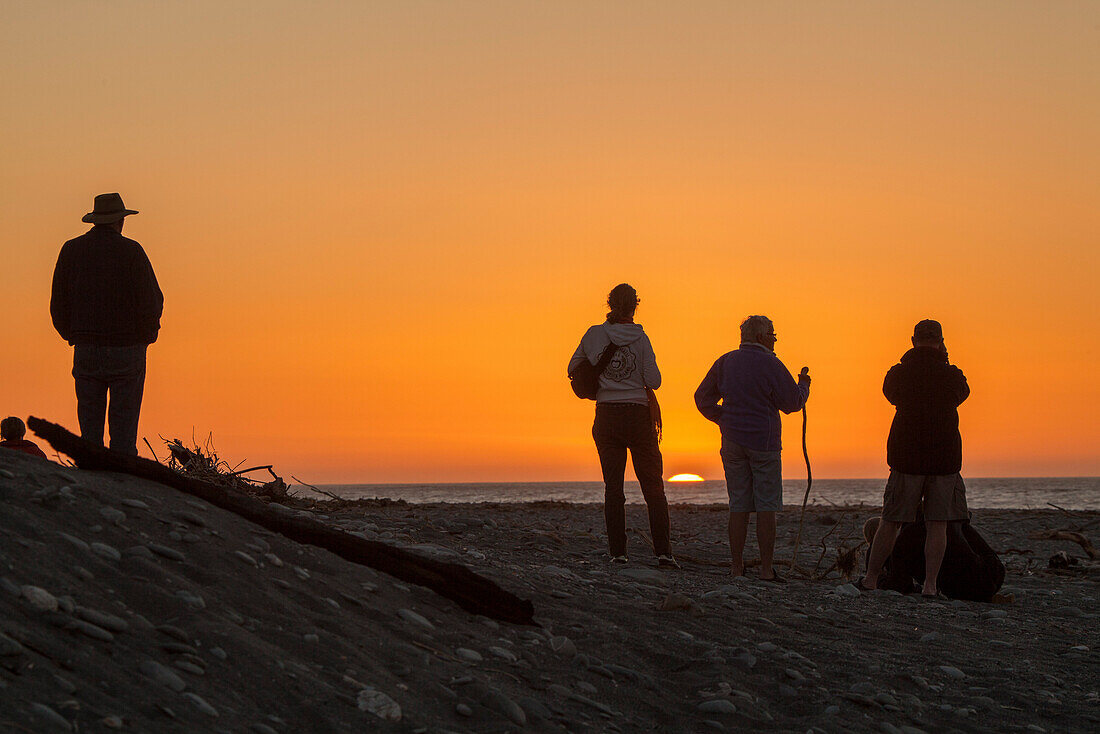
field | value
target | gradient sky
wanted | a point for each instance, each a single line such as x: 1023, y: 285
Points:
x: 381, y: 228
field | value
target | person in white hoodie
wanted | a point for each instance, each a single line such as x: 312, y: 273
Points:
x: 624, y: 421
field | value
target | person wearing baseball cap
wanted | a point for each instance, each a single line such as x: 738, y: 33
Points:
x: 924, y: 452
x: 107, y: 304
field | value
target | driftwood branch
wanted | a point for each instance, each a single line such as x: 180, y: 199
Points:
x: 472, y: 592
x: 1077, y: 538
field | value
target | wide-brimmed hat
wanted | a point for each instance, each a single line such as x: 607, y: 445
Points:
x: 107, y: 208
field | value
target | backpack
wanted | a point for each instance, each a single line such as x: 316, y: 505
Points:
x: 585, y: 379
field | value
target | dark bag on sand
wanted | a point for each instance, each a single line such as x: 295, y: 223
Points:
x: 585, y: 379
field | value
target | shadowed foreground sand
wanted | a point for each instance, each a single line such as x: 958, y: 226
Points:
x: 125, y: 605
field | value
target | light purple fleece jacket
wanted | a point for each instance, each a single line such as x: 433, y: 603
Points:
x: 632, y: 369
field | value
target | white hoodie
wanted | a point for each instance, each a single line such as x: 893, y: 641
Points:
x: 632, y: 369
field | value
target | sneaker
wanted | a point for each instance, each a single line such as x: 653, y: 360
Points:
x: 618, y: 559
x: 667, y: 562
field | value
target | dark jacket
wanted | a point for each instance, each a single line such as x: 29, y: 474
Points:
x: 927, y: 391
x: 105, y: 292
x: 753, y: 386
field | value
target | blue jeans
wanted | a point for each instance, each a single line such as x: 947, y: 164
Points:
x: 120, y: 372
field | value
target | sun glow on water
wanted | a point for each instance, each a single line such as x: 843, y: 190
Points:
x: 686, y: 478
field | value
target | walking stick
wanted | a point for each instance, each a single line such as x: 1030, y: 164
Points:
x: 809, y: 483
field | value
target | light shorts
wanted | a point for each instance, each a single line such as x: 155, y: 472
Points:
x: 754, y: 479
x: 942, y: 497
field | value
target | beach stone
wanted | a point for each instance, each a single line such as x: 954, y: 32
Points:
x: 76, y: 542
x: 9, y: 647
x: 717, y: 706
x: 301, y: 573
x: 311, y: 637
x: 192, y: 600
x: 140, y: 551
x: 112, y: 721
x: 39, y: 599
x: 645, y: 576
x: 261, y: 728
x: 136, y: 504
x: 10, y: 586
x: 952, y: 672
x: 534, y: 709
x: 6, y: 474
x: 889, y: 728
x: 832, y: 710
x: 563, y: 646
x: 191, y: 518
x: 501, y: 703
x: 66, y: 604
x: 201, y: 704
x: 470, y: 656
x: 766, y: 647
x: 219, y: 653
x: 746, y: 660
x: 189, y: 667
x: 504, y: 654
x: 93, y: 631
x: 930, y: 637
x: 112, y: 515
x: 102, y: 619
x: 995, y: 614
x: 106, y: 551
x: 847, y: 591
x: 379, y: 704
x: 412, y: 617
x: 274, y: 560
x: 166, y: 552
x: 246, y: 558
x: 162, y: 675
x: 52, y: 719
x: 174, y: 632
x: 463, y: 710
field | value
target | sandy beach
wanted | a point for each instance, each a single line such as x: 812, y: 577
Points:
x: 126, y: 605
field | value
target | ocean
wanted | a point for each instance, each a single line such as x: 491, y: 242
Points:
x: 1070, y: 493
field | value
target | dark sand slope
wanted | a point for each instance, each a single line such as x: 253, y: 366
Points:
x: 128, y: 606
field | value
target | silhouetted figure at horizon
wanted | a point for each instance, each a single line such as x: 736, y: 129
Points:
x: 627, y: 418
x: 743, y: 392
x: 12, y: 432
x: 106, y: 302
x: 970, y: 570
x: 924, y: 452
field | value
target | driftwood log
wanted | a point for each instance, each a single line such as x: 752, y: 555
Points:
x: 472, y: 592
x: 1077, y: 538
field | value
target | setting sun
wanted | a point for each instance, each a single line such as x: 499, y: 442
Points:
x: 686, y: 478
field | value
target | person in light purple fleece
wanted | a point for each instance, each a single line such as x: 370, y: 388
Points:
x: 752, y: 386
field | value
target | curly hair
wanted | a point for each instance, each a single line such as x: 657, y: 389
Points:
x: 622, y: 300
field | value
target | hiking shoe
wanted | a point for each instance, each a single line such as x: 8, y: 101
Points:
x: 667, y: 562
x: 618, y: 559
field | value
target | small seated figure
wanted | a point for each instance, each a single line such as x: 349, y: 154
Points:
x: 971, y: 570
x: 12, y: 430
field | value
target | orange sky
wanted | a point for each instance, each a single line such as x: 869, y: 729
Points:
x: 381, y: 228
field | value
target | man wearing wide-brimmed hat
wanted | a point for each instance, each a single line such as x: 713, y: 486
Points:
x: 106, y: 302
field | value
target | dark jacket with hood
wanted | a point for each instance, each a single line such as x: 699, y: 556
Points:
x: 105, y: 292
x: 927, y: 391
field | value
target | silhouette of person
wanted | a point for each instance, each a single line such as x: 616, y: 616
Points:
x: 624, y: 421
x: 753, y: 386
x: 924, y: 452
x: 106, y: 302
x: 12, y: 431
